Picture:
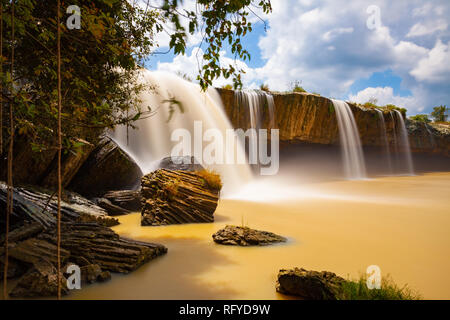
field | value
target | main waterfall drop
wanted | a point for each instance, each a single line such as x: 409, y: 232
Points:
x: 352, y: 153
x: 152, y: 141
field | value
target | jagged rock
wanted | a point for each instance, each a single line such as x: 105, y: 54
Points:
x: 175, y: 197
x: 180, y: 163
x: 86, y: 240
x: 243, y: 236
x: 40, y: 205
x: 107, y: 168
x: 15, y: 268
x: 39, y: 281
x: 91, y: 243
x: 112, y: 209
x: 92, y: 273
x: 34, y: 251
x: 310, y: 285
x: 40, y: 168
x: 127, y: 199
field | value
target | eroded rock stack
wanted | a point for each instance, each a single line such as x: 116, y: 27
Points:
x: 176, y: 197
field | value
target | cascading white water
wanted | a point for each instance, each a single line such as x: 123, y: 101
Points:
x: 253, y: 100
x: 151, y: 141
x: 352, y: 153
x: 403, y: 142
x: 385, y: 139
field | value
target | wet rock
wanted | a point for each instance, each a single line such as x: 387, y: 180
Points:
x: 86, y: 240
x: 187, y: 163
x: 310, y: 285
x: 176, y: 197
x: 107, y: 168
x: 126, y: 199
x: 92, y: 273
x: 243, y: 236
x: 39, y: 281
x: 39, y: 205
x: 112, y: 209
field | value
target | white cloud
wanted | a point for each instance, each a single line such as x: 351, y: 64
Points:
x: 386, y: 96
x: 435, y: 67
x: 327, y: 45
x: 422, y: 29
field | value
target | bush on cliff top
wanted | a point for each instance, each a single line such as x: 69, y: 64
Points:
x: 420, y: 118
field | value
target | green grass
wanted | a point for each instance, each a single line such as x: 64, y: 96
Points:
x: 358, y: 290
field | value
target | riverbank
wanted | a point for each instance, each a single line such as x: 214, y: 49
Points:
x: 398, y: 223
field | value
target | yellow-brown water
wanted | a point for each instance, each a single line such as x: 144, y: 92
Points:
x: 401, y: 224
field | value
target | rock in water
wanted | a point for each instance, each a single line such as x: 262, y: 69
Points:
x: 176, y: 197
x: 186, y: 163
x: 243, y: 236
x: 310, y: 285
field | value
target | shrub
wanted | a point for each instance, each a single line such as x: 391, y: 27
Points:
x: 296, y: 86
x: 228, y: 87
x: 358, y: 290
x: 421, y: 118
x: 212, y: 179
x: 264, y: 87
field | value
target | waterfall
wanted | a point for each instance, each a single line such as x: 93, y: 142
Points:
x: 353, y: 158
x: 151, y: 140
x: 403, y: 143
x: 385, y: 139
x: 252, y: 100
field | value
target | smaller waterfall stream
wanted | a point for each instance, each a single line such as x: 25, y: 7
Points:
x: 253, y: 100
x: 403, y: 142
x: 352, y: 153
x: 385, y: 140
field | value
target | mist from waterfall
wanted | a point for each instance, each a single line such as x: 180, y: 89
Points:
x: 151, y: 141
x: 404, y: 148
x: 352, y: 153
x: 383, y: 133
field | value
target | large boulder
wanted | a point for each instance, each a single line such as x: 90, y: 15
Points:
x: 310, y: 285
x: 107, y: 168
x: 243, y: 236
x: 175, y: 197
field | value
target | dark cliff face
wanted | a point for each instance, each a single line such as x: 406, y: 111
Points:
x: 309, y: 118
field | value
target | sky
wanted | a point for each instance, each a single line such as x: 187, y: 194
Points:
x: 395, y: 51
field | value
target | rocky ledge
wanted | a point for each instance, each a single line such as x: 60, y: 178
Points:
x: 175, y: 197
x: 310, y: 285
x: 310, y: 118
x: 243, y: 236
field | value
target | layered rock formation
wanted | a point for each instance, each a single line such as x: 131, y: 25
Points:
x: 86, y: 240
x: 310, y: 118
x: 176, y: 197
